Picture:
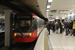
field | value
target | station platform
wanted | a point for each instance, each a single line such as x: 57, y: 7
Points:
x: 54, y: 41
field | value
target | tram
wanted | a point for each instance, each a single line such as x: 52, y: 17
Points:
x: 26, y: 27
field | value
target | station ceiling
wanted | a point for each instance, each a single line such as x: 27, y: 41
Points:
x: 63, y: 7
x: 58, y: 8
x: 42, y: 6
x: 27, y: 6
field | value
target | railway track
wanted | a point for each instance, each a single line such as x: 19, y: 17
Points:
x: 22, y: 46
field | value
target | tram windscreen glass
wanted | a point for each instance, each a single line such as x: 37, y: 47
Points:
x: 25, y: 25
x: 22, y: 25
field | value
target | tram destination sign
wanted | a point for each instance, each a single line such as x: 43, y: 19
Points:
x: 23, y: 16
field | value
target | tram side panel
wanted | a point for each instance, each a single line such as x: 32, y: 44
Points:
x: 40, y: 25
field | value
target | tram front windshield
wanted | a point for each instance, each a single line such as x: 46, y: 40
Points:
x: 23, y: 26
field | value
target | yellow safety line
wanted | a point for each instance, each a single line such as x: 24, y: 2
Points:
x: 46, y: 47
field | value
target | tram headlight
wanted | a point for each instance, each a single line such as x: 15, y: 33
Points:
x: 30, y: 34
x: 15, y: 34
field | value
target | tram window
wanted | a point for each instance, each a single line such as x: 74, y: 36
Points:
x: 28, y: 23
x: 16, y: 26
x: 34, y: 24
x: 22, y: 23
x: 25, y: 23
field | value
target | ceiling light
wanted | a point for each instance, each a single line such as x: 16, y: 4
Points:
x: 49, y: 0
x: 57, y: 17
x: 48, y: 6
x: 47, y: 10
x: 63, y: 17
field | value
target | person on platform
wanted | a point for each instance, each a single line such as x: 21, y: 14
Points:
x: 66, y: 27
x: 73, y: 28
x: 71, y: 25
x: 48, y: 27
x: 60, y: 25
x: 56, y: 27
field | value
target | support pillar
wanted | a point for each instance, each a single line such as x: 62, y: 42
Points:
x: 7, y: 27
x: 69, y: 18
x: 72, y: 16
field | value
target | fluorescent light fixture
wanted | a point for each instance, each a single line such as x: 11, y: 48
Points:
x: 48, y: 6
x: 47, y: 15
x: 63, y: 17
x: 47, y: 10
x: 57, y: 17
x: 49, y: 0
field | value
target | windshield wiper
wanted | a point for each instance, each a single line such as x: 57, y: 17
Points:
x: 20, y: 29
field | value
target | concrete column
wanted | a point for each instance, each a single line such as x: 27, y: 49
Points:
x: 72, y: 16
x: 7, y: 27
x: 69, y: 18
